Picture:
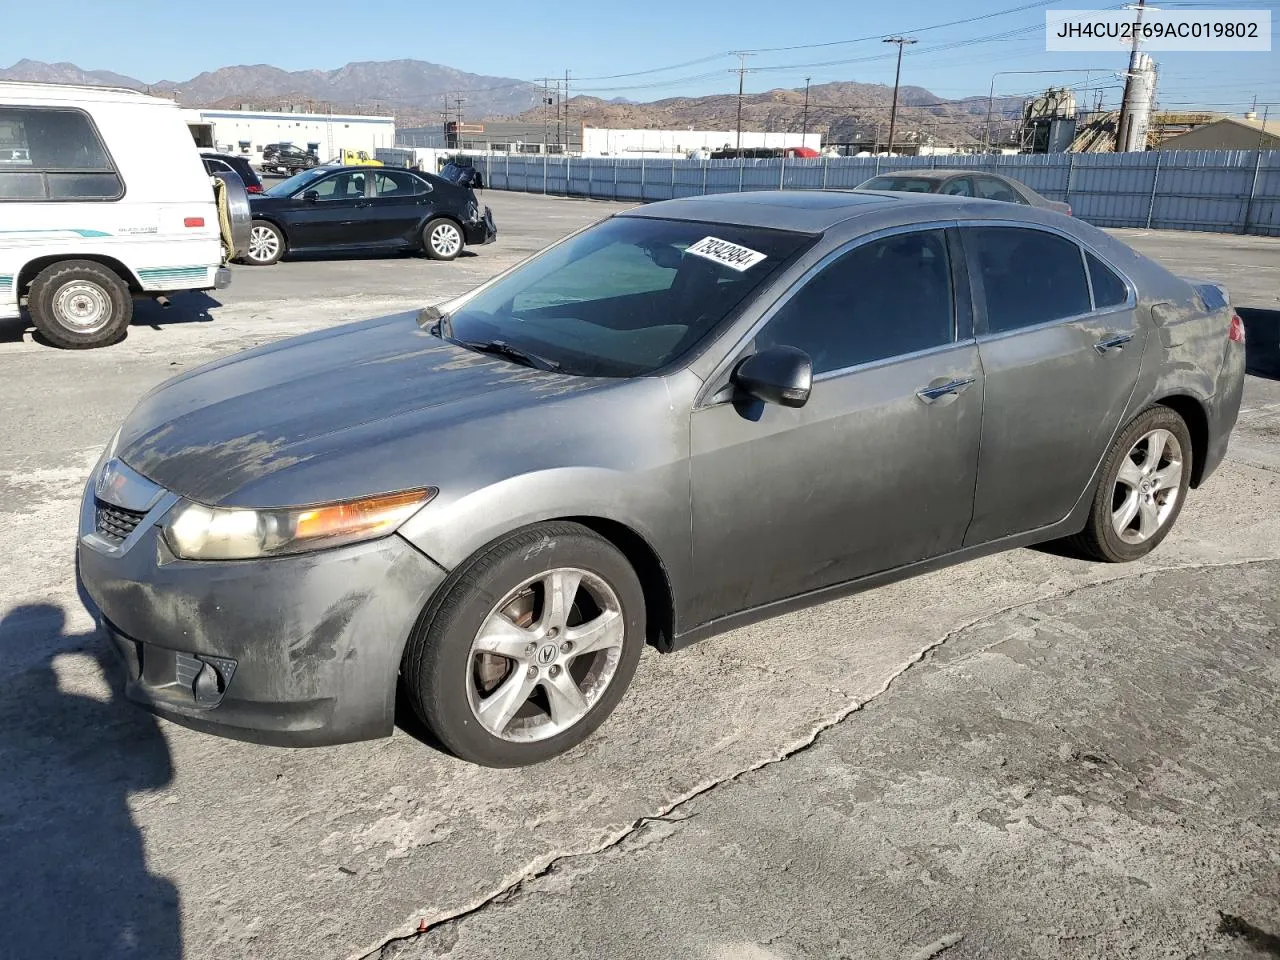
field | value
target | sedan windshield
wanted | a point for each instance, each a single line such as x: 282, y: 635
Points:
x: 287, y: 188
x: 625, y: 297
x: 904, y: 184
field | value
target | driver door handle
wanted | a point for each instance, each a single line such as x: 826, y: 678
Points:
x: 1119, y: 340
x: 932, y: 393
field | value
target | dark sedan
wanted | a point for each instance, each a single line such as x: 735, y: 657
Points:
x: 686, y: 418
x: 342, y: 209
x: 963, y: 183
x: 230, y: 163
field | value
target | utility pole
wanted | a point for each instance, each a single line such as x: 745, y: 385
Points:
x: 804, y: 130
x: 897, y: 75
x: 546, y: 102
x: 742, y: 71
x: 1129, y: 104
x: 568, y: 134
x: 445, y: 116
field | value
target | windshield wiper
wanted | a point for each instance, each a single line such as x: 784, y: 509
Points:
x: 505, y: 350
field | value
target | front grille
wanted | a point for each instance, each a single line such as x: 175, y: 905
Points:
x: 114, y: 523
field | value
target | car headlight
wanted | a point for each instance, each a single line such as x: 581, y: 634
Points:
x: 197, y: 532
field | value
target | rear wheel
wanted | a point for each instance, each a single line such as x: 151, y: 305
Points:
x: 266, y: 244
x: 530, y: 648
x: 442, y: 239
x: 78, y: 304
x: 1145, y: 477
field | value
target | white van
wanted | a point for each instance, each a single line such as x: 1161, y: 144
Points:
x: 103, y: 198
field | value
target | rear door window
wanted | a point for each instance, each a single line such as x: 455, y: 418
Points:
x: 1108, y: 289
x: 885, y: 298
x: 394, y: 185
x: 989, y: 188
x: 1027, y: 276
x: 54, y: 154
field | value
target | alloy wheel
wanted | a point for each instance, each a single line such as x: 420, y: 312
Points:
x: 1147, y: 486
x: 264, y: 244
x: 545, y: 654
x: 445, y: 239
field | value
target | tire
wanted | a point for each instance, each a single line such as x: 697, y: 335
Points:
x: 1131, y: 482
x: 79, y: 304
x: 266, y: 244
x: 442, y: 239
x: 457, y: 690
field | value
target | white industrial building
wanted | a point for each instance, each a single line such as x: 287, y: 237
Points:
x: 326, y: 135
x: 603, y: 142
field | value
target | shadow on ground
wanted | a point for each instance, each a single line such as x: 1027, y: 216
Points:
x: 192, y: 307
x: 1261, y: 341
x: 73, y: 873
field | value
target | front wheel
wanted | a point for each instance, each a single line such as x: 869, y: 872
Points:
x: 529, y: 649
x: 1145, y: 477
x: 442, y: 240
x: 266, y: 244
x: 78, y: 304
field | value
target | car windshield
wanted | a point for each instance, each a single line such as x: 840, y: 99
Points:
x: 287, y: 188
x: 625, y: 297
x: 904, y: 184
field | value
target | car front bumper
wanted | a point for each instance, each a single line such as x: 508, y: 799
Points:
x: 481, y: 231
x: 300, y: 650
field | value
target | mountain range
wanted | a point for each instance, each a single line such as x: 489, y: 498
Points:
x: 416, y: 92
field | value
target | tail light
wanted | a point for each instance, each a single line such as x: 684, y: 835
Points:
x: 193, y: 222
x: 1236, y: 333
x: 253, y: 188
x: 1069, y: 213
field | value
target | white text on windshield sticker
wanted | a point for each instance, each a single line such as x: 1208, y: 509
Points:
x: 730, y: 254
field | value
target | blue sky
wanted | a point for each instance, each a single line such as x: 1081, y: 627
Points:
x: 598, y: 40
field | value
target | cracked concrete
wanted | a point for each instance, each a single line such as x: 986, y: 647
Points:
x: 162, y: 843
x: 1028, y: 790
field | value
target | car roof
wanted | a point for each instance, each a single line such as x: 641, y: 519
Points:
x: 818, y: 211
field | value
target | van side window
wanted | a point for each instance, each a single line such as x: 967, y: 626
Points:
x: 53, y: 154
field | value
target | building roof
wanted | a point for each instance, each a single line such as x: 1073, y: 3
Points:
x: 1248, y: 131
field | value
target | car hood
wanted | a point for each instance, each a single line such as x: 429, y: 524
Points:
x: 332, y: 407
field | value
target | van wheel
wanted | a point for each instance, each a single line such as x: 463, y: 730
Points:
x: 78, y: 304
x: 442, y: 239
x: 266, y: 244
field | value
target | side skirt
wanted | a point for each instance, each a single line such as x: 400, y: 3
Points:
x: 1073, y: 524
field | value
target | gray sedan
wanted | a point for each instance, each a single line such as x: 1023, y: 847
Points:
x: 963, y: 183
x: 685, y: 418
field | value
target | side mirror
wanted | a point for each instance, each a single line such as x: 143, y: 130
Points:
x: 310, y: 196
x: 781, y: 375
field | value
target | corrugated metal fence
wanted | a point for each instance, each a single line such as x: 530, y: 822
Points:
x: 1226, y: 191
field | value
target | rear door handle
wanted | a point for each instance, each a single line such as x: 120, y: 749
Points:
x: 1119, y: 340
x: 932, y: 393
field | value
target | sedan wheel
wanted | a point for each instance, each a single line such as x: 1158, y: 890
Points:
x: 1147, y: 486
x: 1144, y: 481
x: 443, y: 240
x: 266, y: 244
x: 545, y: 653
x: 524, y: 678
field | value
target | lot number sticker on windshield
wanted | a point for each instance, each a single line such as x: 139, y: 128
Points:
x: 730, y: 254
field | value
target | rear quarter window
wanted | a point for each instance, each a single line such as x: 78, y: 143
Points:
x: 1108, y: 289
x: 54, y: 154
